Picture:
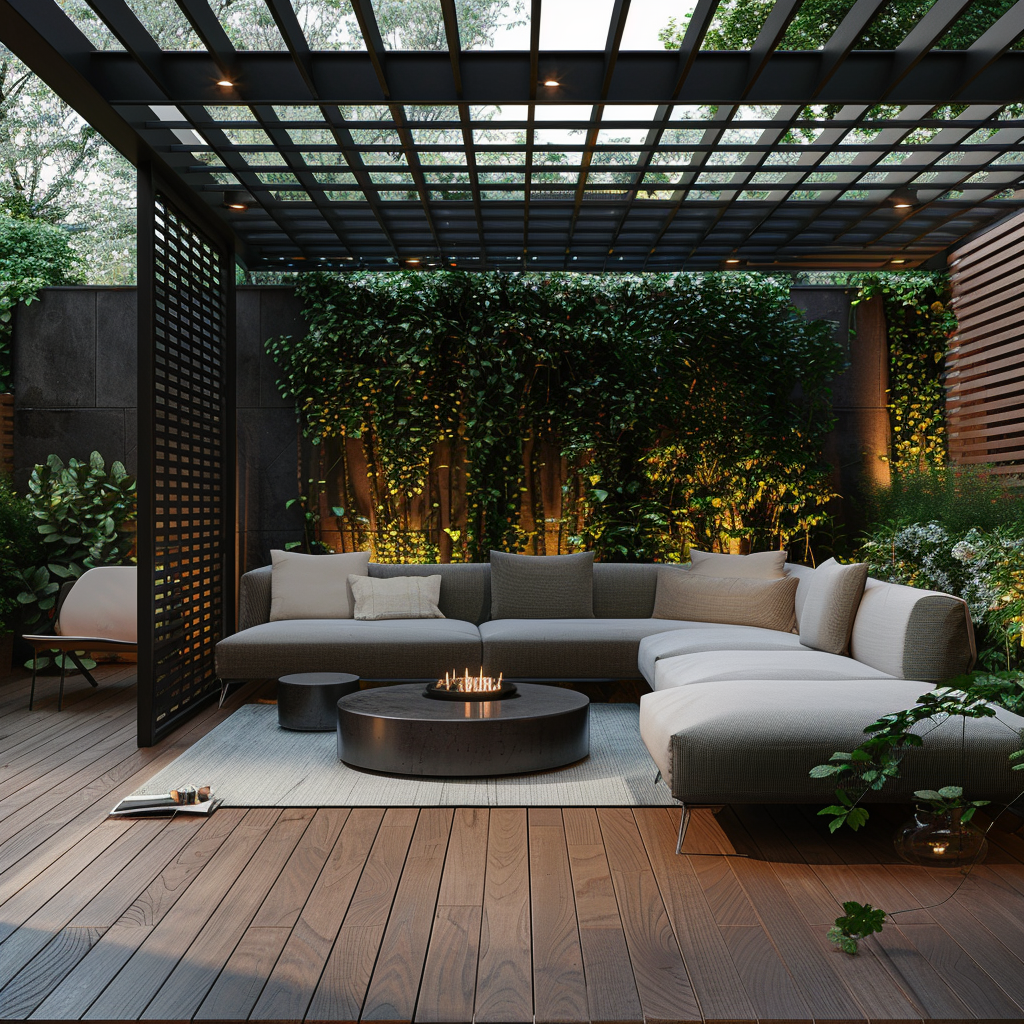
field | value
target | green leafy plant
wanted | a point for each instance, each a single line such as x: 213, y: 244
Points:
x: 309, y: 504
x: 19, y: 549
x: 81, y: 512
x: 859, y: 921
x: 950, y: 799
x: 876, y: 761
x: 666, y: 410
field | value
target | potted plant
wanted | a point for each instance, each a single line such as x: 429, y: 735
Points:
x: 940, y: 831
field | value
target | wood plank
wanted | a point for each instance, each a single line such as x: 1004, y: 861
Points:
x: 346, y: 976
x: 57, y: 959
x: 707, y: 956
x: 448, y: 988
x: 139, y: 980
x: 56, y: 913
x: 195, y: 973
x: 239, y: 985
x: 559, y: 982
x: 391, y: 995
x: 611, y: 988
x: 661, y: 979
x: 119, y: 942
x: 295, y: 976
x: 504, y: 990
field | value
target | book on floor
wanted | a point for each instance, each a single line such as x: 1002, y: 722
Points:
x: 161, y: 805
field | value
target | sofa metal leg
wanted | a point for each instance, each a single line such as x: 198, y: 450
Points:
x: 32, y: 692
x: 657, y: 776
x: 684, y: 820
x: 60, y: 692
x: 224, y: 686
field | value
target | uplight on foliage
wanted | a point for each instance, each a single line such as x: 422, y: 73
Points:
x: 629, y: 414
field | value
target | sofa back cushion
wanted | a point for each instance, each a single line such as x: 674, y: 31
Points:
x: 911, y: 633
x: 761, y: 565
x: 542, y: 587
x: 624, y: 590
x: 686, y: 595
x: 465, y: 587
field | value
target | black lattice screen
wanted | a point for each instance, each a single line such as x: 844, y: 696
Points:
x: 186, y: 444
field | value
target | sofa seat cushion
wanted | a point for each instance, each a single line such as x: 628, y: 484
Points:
x: 721, y: 666
x: 386, y: 649
x: 755, y: 740
x: 695, y: 637
x: 567, y: 648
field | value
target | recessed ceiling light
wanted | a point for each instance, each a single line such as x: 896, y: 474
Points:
x: 225, y: 84
x: 903, y: 198
x: 412, y: 261
x: 732, y: 261
x: 551, y: 83
x: 897, y: 261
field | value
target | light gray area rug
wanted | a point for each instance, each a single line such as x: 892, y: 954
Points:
x: 250, y: 761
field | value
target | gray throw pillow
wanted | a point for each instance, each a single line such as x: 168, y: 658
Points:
x: 542, y: 586
x: 761, y: 565
x: 833, y: 597
x: 727, y: 600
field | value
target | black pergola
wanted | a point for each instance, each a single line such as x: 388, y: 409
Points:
x: 633, y: 160
x: 593, y: 160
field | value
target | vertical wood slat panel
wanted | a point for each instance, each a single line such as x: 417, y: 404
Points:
x: 985, y: 363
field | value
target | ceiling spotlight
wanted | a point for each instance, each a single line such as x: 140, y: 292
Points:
x: 412, y: 262
x: 903, y: 199
x: 226, y: 83
x: 551, y: 83
x: 237, y: 200
x: 897, y: 261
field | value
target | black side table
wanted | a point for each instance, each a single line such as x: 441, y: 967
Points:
x: 308, y: 701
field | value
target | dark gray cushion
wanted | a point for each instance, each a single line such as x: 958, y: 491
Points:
x: 542, y: 587
x: 465, y: 586
x: 385, y: 649
x: 567, y: 648
x: 624, y: 590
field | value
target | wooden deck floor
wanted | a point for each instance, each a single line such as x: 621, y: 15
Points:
x: 458, y: 914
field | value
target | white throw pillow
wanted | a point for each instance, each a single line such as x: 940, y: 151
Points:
x: 761, y: 565
x: 314, y: 586
x: 400, y: 597
x: 833, y: 597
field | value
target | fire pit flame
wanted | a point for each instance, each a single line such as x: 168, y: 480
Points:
x: 470, y: 687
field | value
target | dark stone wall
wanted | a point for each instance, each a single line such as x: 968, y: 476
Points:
x: 75, y: 377
x: 858, y: 445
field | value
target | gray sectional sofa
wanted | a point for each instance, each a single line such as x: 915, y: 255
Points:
x: 735, y: 714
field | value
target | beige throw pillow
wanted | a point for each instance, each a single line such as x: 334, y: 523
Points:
x: 833, y: 597
x: 400, y: 597
x: 313, y: 586
x: 761, y: 565
x: 683, y: 594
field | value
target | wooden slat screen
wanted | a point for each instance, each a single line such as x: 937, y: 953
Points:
x: 985, y: 364
x: 6, y: 434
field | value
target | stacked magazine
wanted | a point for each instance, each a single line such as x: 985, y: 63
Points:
x: 162, y: 805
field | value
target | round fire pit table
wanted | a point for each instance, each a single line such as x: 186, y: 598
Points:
x: 398, y: 729
x: 308, y: 701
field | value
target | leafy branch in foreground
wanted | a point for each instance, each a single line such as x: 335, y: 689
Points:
x: 859, y: 921
x: 877, y: 760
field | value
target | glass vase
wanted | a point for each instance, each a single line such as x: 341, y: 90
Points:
x: 939, y: 838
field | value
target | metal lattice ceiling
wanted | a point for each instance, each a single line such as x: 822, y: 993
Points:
x: 360, y: 153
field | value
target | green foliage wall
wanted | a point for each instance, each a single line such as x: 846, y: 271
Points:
x: 679, y: 410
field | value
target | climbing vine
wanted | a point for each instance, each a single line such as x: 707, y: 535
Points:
x: 634, y: 415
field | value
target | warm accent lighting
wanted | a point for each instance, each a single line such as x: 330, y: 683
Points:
x: 897, y: 261
x: 237, y: 200
x: 551, y: 83
x: 225, y: 84
x: 732, y: 261
x: 412, y: 262
x: 903, y: 199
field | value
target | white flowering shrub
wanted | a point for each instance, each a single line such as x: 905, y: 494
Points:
x: 984, y: 567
